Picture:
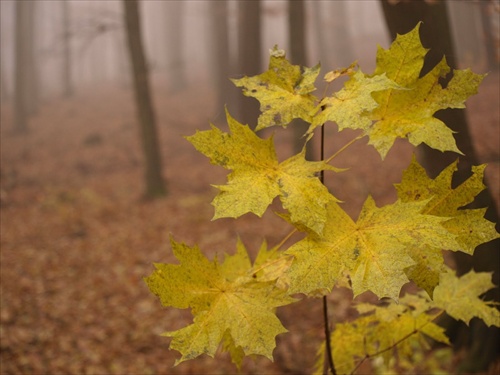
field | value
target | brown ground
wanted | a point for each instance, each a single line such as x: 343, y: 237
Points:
x: 76, y: 238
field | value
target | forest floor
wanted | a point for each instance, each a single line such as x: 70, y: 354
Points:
x: 77, y: 238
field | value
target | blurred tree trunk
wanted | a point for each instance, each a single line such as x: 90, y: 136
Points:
x: 21, y: 63
x: 66, y: 71
x: 174, y: 40
x: 221, y: 58
x: 490, y: 11
x: 155, y: 186
x: 332, y: 34
x: 435, y: 34
x: 4, y: 93
x: 249, y: 55
x: 298, y: 52
x: 320, y: 28
x: 31, y: 56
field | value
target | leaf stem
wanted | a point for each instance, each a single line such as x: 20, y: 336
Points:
x: 287, y: 237
x: 344, y: 147
x: 328, y: 343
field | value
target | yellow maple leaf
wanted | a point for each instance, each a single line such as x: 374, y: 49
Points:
x: 349, y: 106
x: 284, y: 92
x: 227, y: 303
x: 468, y: 225
x: 257, y: 177
x: 373, y: 250
x: 460, y: 297
x: 271, y: 265
x: 409, y: 113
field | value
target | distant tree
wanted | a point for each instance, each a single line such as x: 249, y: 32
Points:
x: 490, y: 12
x: 21, y: 63
x: 4, y: 93
x: 66, y: 36
x: 31, y: 56
x: 298, y: 56
x: 249, y: 53
x: 5, y: 81
x: 221, y: 59
x: 175, y: 43
x: 330, y: 23
x: 155, y: 185
x: 436, y: 35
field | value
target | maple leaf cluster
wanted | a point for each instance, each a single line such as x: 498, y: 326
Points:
x: 233, y: 301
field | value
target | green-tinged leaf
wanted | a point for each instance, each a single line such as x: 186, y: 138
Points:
x: 416, y: 185
x: 238, y: 310
x: 429, y: 264
x: 272, y: 265
x: 471, y: 229
x: 460, y: 297
x: 373, y: 251
x: 348, y: 106
x: 258, y: 178
x: 468, y: 225
x: 236, y: 352
x: 320, y: 259
x: 393, y: 329
x: 302, y: 193
x: 409, y: 113
x: 284, y: 92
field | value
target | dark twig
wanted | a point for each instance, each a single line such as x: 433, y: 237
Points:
x: 329, y: 356
x: 382, y: 351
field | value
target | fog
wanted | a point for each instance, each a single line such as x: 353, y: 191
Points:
x: 79, y: 231
x: 350, y: 31
x: 97, y: 43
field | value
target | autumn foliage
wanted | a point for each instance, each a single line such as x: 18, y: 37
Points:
x: 233, y: 301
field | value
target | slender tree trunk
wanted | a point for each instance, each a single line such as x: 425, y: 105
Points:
x: 320, y: 37
x: 249, y: 54
x: 21, y: 62
x: 174, y: 40
x: 226, y: 91
x: 484, y: 342
x: 4, y: 93
x: 66, y: 71
x: 298, y: 52
x: 490, y: 10
x: 155, y: 185
x: 31, y: 56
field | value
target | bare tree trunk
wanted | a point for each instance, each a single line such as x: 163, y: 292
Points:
x: 4, y: 90
x: 21, y: 62
x: 174, y: 40
x: 249, y: 54
x: 66, y: 71
x: 319, y: 27
x: 220, y: 54
x: 31, y: 64
x: 489, y: 12
x: 297, y: 43
x: 333, y: 41
x: 435, y: 33
x: 155, y: 186
x: 338, y: 34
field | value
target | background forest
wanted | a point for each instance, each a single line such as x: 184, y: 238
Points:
x: 79, y: 227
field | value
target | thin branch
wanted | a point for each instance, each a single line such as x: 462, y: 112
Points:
x: 367, y: 355
x: 329, y: 355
